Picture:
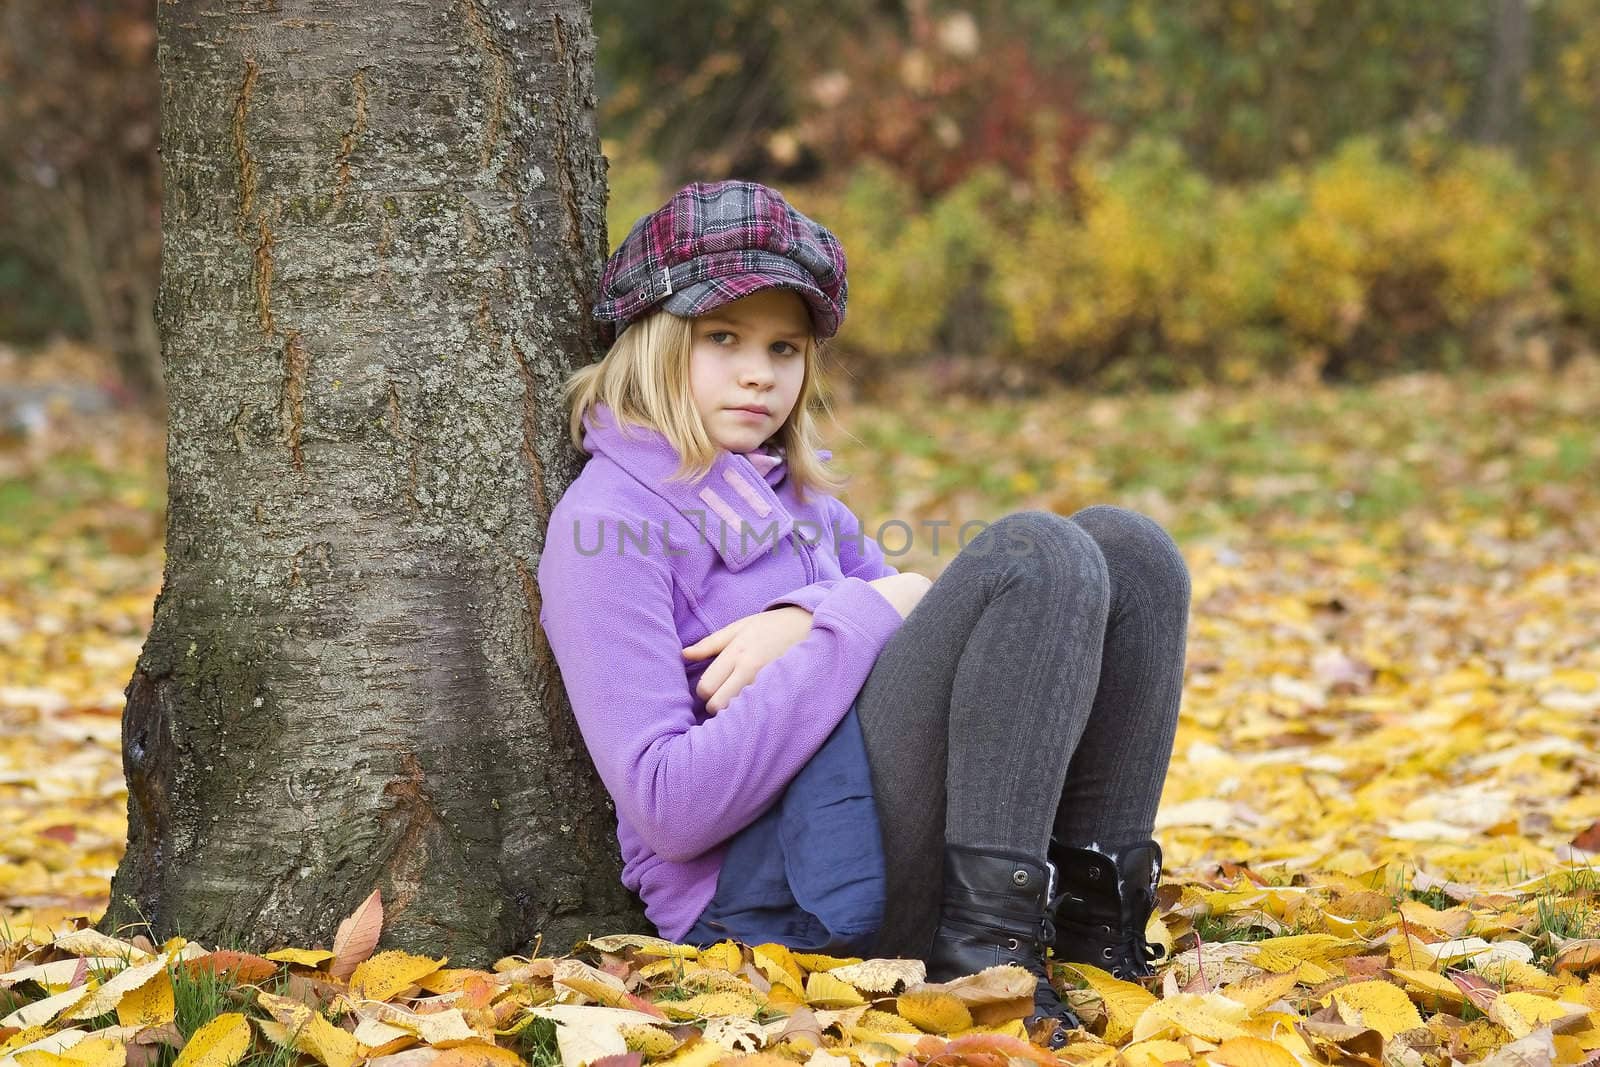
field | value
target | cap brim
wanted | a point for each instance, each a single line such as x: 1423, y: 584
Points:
x: 777, y: 273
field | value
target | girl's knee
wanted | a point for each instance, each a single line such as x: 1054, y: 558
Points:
x: 1046, y: 547
x: 1123, y: 533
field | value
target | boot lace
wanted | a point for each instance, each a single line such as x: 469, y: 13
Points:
x: 1047, y: 1003
x: 1141, y: 954
x: 1052, y: 908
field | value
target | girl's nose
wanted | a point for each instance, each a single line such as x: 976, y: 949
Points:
x: 756, y: 371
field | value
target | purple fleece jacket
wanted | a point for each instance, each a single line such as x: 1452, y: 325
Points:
x: 633, y: 570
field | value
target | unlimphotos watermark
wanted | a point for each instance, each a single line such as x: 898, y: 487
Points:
x: 894, y: 537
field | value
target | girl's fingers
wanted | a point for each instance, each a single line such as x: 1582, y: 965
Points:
x: 725, y: 694
x: 711, y: 643
x: 713, y: 679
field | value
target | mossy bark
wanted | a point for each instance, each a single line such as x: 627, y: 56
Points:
x: 382, y: 225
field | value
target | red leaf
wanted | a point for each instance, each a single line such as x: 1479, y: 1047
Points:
x: 638, y: 1003
x: 237, y: 967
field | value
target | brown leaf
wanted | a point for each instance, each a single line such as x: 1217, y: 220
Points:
x: 802, y: 1025
x: 166, y: 1034
x: 142, y: 1055
x: 298, y: 987
x: 357, y: 936
x: 1480, y: 992
x: 1581, y: 955
x: 1363, y: 966
x: 1360, y: 1042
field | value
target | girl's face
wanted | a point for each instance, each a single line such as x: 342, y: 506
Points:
x: 749, y: 353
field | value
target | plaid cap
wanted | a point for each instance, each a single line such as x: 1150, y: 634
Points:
x: 713, y: 243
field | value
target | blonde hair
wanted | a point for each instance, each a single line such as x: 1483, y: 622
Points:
x: 644, y: 380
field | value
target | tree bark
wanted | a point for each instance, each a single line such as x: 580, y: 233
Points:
x: 382, y: 227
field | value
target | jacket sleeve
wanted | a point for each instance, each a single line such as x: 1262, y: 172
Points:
x: 685, y: 785
x: 859, y: 557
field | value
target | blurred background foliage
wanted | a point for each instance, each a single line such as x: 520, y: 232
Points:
x: 1107, y: 192
x: 80, y: 193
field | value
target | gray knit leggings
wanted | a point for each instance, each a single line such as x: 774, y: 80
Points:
x: 1034, y: 688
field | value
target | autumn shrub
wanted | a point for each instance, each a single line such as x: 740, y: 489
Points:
x: 1573, y: 240
x: 1388, y: 263
x: 1579, y: 265
x: 1239, y: 333
x: 1139, y: 269
x: 915, y: 272
x: 1108, y: 275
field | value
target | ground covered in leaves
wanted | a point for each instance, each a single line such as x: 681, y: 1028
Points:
x: 1378, y: 824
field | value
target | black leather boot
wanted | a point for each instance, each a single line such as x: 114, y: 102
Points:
x: 1102, y: 903
x: 994, y: 913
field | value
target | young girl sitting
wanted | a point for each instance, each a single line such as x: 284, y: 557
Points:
x: 803, y: 744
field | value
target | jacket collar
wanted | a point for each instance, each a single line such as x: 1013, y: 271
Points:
x: 735, y: 506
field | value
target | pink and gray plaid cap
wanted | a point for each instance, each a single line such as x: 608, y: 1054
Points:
x: 713, y: 243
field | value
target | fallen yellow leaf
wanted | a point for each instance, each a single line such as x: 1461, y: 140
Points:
x: 108, y: 995
x: 1252, y: 1052
x: 222, y: 1042
x: 310, y: 1032
x: 479, y: 1054
x: 825, y: 991
x: 1430, y: 989
x: 304, y: 957
x: 151, y: 1004
x: 1383, y: 1006
x: 90, y: 1052
x: 1124, y: 1001
x: 934, y: 1012
x: 387, y: 973
x: 1211, y: 1016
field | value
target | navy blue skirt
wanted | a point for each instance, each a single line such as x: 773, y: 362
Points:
x: 808, y: 872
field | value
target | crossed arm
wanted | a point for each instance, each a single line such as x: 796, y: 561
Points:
x: 747, y: 644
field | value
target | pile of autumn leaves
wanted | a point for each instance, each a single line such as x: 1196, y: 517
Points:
x: 1395, y: 983
x: 1367, y: 700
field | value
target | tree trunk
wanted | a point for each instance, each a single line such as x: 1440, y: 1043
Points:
x: 1509, y: 46
x: 382, y: 226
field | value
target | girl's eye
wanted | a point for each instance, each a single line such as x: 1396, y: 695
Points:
x: 783, y: 348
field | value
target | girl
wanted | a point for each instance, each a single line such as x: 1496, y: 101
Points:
x: 803, y: 744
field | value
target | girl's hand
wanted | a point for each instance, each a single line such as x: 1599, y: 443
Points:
x: 742, y: 648
x: 903, y: 590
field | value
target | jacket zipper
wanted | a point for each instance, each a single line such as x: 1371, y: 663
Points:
x: 806, y: 558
